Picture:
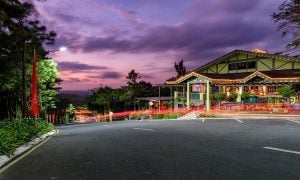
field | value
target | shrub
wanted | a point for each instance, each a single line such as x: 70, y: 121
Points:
x: 18, y: 132
x: 157, y: 116
x: 170, y: 116
x: 205, y: 114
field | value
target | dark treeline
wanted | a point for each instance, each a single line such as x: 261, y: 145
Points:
x: 105, y: 99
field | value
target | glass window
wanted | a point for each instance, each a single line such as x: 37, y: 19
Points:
x: 197, y: 88
x: 251, y: 64
x: 232, y: 66
x: 242, y: 65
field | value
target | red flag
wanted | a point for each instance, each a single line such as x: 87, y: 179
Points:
x: 35, y: 111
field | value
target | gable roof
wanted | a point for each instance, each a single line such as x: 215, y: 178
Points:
x: 236, y: 52
x: 278, y: 75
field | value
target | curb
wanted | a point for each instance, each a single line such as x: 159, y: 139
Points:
x: 4, y: 160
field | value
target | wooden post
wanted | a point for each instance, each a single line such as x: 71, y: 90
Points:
x: 188, y: 91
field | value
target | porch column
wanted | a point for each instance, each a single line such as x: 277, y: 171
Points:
x: 207, y: 96
x: 239, y: 95
x: 188, y: 94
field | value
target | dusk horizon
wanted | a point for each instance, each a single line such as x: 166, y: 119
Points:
x: 107, y: 39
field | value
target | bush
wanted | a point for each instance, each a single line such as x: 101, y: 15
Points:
x: 18, y: 132
x: 205, y: 114
x: 157, y: 116
x: 170, y: 116
x: 139, y: 116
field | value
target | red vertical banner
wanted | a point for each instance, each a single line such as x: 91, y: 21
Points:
x: 35, y: 111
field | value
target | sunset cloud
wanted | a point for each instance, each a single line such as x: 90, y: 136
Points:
x: 109, y: 38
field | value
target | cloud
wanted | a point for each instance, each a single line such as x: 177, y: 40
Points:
x: 190, y: 38
x: 203, y: 35
x: 71, y: 80
x: 108, y: 75
x: 77, y: 66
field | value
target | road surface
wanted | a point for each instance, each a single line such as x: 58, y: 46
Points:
x: 170, y: 149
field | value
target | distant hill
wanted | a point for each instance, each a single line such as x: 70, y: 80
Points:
x: 76, y: 92
x: 75, y: 97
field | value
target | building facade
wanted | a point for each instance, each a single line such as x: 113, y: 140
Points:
x: 257, y: 72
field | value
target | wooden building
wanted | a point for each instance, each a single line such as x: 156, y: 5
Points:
x: 257, y: 72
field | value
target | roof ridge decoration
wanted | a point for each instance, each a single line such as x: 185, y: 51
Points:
x: 255, y: 53
x: 187, y: 76
x: 255, y: 74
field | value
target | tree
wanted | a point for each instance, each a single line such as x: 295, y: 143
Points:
x: 180, y: 68
x: 47, y: 78
x: 219, y: 97
x: 245, y: 95
x: 288, y: 17
x: 133, y: 77
x: 20, y: 33
x: 287, y: 93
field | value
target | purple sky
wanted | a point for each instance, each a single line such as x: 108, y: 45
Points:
x: 108, y: 38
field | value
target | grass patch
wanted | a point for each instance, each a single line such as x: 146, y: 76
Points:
x: 17, y: 132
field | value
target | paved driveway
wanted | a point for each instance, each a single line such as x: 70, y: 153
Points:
x: 230, y: 148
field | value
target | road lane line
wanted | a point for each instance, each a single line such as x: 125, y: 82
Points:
x: 203, y: 120
x: 21, y: 156
x: 282, y: 150
x: 144, y: 129
x: 238, y: 120
x: 294, y: 121
x: 107, y: 126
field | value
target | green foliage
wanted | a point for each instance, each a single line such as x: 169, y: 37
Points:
x: 18, y: 132
x: 169, y: 104
x: 219, y: 96
x: 288, y: 16
x: 157, y: 116
x: 170, y: 116
x: 232, y: 97
x: 154, y: 116
x: 287, y: 92
x: 20, y: 33
x: 136, y: 116
x: 106, y: 99
x: 245, y: 95
x: 47, y: 76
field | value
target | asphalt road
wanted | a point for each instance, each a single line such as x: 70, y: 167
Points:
x: 186, y: 149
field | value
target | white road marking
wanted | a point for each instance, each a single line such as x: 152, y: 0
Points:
x: 144, y: 129
x: 282, y: 150
x: 294, y: 121
x: 18, y: 158
x: 107, y: 126
x: 238, y: 120
x: 203, y: 120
